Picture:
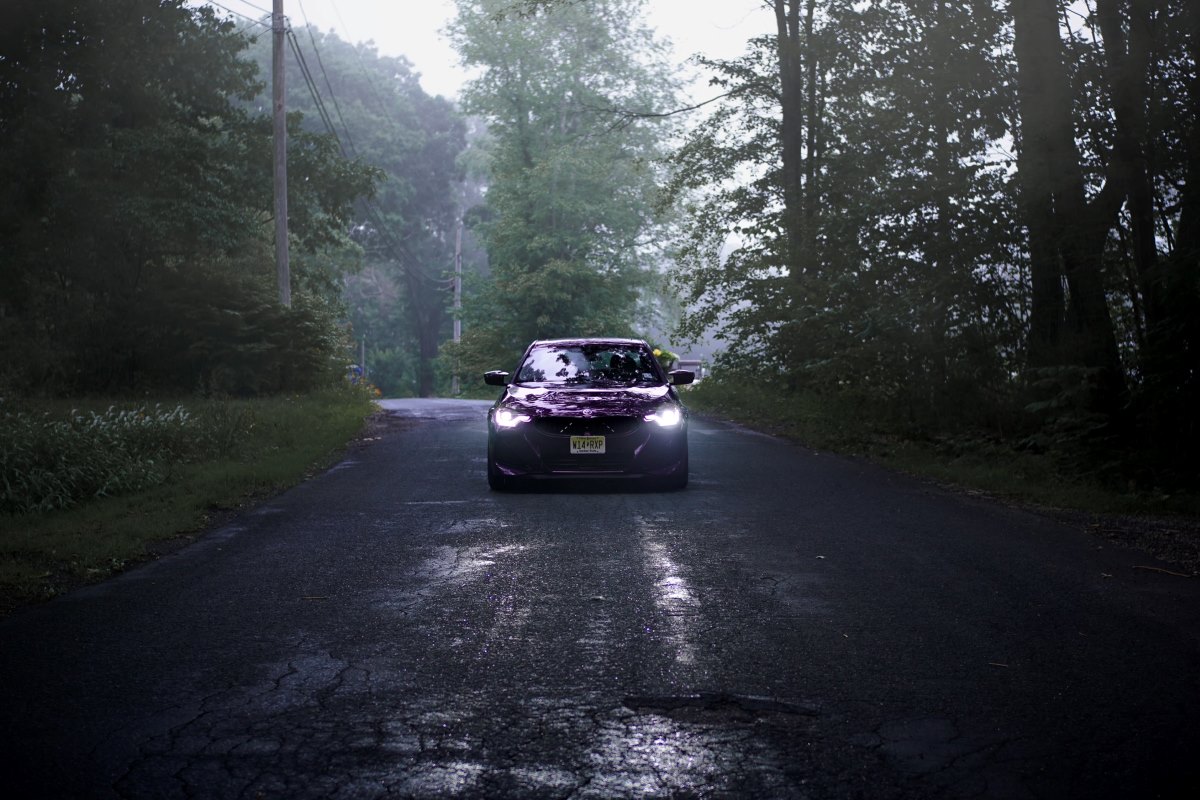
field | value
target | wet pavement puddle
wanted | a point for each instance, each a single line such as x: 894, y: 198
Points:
x: 673, y: 595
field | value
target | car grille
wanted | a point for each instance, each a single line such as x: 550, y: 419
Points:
x: 596, y: 426
x: 591, y: 465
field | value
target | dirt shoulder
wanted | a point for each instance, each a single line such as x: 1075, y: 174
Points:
x: 1173, y: 540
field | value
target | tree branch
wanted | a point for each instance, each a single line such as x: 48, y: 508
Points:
x: 631, y: 115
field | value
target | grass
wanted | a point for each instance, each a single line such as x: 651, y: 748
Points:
x: 251, y: 449
x: 978, y: 464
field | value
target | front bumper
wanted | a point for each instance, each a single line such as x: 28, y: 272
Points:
x: 541, y: 448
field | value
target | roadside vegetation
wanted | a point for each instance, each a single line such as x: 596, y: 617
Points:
x: 138, y: 266
x: 1014, y: 469
x: 89, y: 489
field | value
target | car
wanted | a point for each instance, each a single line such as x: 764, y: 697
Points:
x: 584, y: 408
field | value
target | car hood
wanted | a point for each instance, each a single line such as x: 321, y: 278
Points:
x: 584, y: 401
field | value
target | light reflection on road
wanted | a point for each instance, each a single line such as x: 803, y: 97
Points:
x: 446, y: 568
x: 466, y: 740
x: 672, y: 595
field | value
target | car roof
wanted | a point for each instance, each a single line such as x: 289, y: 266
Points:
x: 588, y: 340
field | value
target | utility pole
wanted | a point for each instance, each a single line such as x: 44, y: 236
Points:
x: 282, y: 269
x: 454, y: 387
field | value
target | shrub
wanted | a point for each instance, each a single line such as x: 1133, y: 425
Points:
x: 48, y: 463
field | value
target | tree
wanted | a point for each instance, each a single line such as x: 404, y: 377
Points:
x: 856, y: 225
x: 570, y: 180
x: 1150, y: 53
x: 1108, y: 179
x: 124, y: 182
x: 384, y: 119
x: 1067, y: 231
x: 854, y: 165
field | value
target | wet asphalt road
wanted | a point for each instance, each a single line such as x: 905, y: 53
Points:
x: 792, y: 625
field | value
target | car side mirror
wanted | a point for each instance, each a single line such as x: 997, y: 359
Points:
x: 496, y: 378
x: 681, y: 377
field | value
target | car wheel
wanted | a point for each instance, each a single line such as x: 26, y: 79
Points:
x: 496, y: 479
x: 678, y: 479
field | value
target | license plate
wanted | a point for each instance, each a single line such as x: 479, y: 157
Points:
x: 587, y: 445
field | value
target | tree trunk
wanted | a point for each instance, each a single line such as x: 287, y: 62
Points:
x: 809, y: 230
x: 1128, y: 68
x: 791, y: 75
x: 1036, y: 45
x: 1173, y: 369
x: 942, y: 253
x: 1067, y: 233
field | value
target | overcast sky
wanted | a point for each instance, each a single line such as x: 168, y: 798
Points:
x: 412, y: 28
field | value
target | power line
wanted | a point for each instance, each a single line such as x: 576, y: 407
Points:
x: 325, y: 75
x: 370, y: 76
x: 266, y: 11
x: 397, y: 250
x: 322, y: 111
x: 244, y: 30
x: 374, y: 214
x: 229, y: 10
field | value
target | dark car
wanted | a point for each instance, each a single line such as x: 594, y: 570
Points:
x: 589, y: 407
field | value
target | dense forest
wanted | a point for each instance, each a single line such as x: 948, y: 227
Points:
x: 962, y: 217
x: 135, y: 210
x: 972, y: 219
x: 397, y: 293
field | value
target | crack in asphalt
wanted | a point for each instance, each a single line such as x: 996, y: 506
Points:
x: 222, y: 744
x: 737, y: 707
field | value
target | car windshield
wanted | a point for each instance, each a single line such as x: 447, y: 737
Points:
x: 601, y: 364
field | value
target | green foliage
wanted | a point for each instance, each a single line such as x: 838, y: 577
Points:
x: 903, y: 268
x: 135, y: 207
x: 399, y: 302
x: 48, y: 463
x: 901, y: 281
x: 970, y: 459
x: 570, y: 176
x: 209, y: 454
x: 239, y: 340
x: 124, y: 162
x: 51, y: 461
x: 393, y: 370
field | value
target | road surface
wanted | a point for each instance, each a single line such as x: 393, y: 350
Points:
x: 793, y: 625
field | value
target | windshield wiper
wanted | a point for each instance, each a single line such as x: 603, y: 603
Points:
x: 613, y: 381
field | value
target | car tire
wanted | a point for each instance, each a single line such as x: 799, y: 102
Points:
x: 497, y: 480
x: 678, y: 480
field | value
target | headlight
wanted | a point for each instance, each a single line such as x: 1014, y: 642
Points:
x: 506, y: 418
x: 666, y: 416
